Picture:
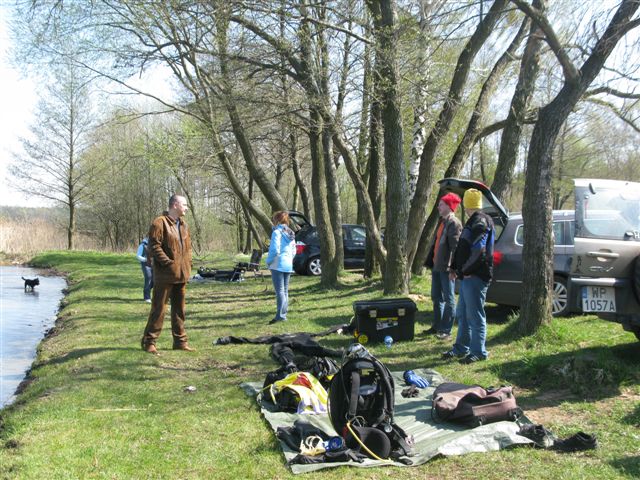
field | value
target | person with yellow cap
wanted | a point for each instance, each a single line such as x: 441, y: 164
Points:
x: 472, y: 264
x: 442, y: 247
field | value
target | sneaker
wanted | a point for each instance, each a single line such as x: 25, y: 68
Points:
x: 451, y: 354
x: 431, y: 331
x: 575, y: 443
x: 276, y: 320
x: 541, y: 437
x: 471, y: 359
x: 443, y: 336
x: 148, y: 300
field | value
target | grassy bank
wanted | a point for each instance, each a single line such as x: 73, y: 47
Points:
x: 98, y: 407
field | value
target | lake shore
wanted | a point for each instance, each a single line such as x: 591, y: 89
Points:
x: 27, y: 316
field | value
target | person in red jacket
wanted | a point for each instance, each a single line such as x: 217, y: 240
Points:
x: 170, y: 249
x: 439, y: 259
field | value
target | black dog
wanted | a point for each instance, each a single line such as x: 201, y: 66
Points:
x: 30, y: 283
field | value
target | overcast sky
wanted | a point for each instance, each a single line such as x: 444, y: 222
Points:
x: 17, y: 99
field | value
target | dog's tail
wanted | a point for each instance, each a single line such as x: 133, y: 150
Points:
x: 23, y: 278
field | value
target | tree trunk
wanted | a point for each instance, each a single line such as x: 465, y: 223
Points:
x: 72, y: 226
x: 396, y: 278
x: 427, y: 8
x: 329, y: 276
x: 295, y: 164
x: 333, y: 200
x: 510, y: 141
x: 371, y: 266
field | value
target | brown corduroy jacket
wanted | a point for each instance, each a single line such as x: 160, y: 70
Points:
x: 171, y: 256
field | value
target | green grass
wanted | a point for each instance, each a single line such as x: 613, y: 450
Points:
x: 98, y: 407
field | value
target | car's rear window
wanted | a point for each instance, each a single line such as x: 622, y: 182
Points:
x: 608, y: 213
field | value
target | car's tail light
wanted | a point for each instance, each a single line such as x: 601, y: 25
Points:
x: 497, y: 257
x: 300, y: 247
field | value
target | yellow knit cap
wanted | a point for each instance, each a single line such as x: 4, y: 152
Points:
x: 472, y: 199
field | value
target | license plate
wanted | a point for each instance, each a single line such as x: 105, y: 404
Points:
x: 598, y: 299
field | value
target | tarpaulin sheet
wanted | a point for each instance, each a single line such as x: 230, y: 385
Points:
x: 414, y: 416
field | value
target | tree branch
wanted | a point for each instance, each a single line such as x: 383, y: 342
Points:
x: 616, y: 111
x: 611, y: 91
x: 569, y: 69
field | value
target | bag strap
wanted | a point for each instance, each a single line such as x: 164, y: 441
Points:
x: 354, y: 394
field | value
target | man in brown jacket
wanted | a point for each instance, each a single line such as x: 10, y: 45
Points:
x: 170, y: 248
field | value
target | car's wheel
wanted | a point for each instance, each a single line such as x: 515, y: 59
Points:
x: 636, y: 279
x: 560, y: 299
x: 314, y: 267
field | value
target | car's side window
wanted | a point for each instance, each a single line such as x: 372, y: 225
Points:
x: 358, y: 234
x: 561, y: 236
x: 558, y: 233
x: 520, y: 235
x: 571, y: 232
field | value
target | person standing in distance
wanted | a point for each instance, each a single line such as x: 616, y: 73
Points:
x: 280, y: 261
x: 170, y: 248
x: 145, y: 263
x: 439, y: 260
x: 473, y: 265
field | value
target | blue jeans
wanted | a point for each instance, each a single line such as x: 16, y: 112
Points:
x: 472, y: 321
x: 148, y: 280
x: 443, y: 297
x: 281, y: 286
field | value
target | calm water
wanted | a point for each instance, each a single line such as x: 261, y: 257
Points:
x: 24, y: 319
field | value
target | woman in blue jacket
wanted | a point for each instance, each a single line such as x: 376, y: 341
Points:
x: 280, y: 262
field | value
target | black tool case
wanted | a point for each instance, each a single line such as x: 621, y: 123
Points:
x: 375, y: 319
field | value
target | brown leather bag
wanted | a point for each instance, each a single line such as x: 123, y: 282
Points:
x: 473, y: 404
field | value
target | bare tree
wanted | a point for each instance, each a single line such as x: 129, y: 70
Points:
x: 52, y: 165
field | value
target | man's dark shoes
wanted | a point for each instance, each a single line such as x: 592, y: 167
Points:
x: 541, y: 437
x: 451, y: 354
x: 276, y: 320
x: 471, y: 359
x: 183, y: 346
x: 431, y: 331
x: 575, y: 443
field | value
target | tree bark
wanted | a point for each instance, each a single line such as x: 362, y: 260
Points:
x: 510, y: 141
x: 396, y: 278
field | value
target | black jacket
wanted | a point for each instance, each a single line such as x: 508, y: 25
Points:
x: 474, y: 254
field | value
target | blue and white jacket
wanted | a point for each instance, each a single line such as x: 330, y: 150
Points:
x: 282, y: 249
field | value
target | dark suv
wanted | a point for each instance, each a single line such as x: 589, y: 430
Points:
x: 307, y: 259
x: 596, y: 253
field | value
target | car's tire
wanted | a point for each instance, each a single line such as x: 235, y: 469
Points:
x: 636, y: 279
x: 560, y: 298
x: 314, y: 267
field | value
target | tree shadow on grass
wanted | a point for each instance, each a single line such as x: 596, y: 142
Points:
x: 80, y: 353
x: 628, y: 466
x: 593, y: 373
